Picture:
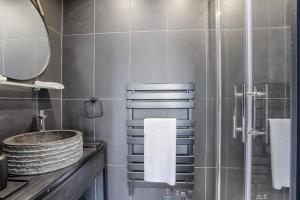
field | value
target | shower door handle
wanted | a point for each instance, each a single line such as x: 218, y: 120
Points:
x: 255, y: 94
x: 236, y: 97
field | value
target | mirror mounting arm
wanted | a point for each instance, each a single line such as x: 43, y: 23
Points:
x: 39, y: 5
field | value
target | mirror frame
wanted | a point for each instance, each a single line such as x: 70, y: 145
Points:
x: 35, y: 4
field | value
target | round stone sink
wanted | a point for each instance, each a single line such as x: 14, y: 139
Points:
x: 41, y: 152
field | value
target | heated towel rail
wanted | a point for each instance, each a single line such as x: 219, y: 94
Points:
x: 160, y: 100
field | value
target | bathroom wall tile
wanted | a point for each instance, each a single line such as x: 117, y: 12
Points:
x: 117, y: 183
x: 112, y: 65
x: 1, y: 25
x: 53, y: 120
x: 78, y: 53
x: 53, y: 13
x: 204, y: 188
x: 53, y: 71
x: 211, y: 133
x: 78, y: 16
x: 276, y: 108
x: 148, y: 15
x: 111, y: 128
x: 211, y: 14
x: 268, y: 13
x: 16, y: 116
x: 210, y: 183
x: 199, y: 193
x: 232, y: 60
x: 232, y: 149
x: 186, y: 50
x: 189, y: 14
x: 288, y: 64
x: 200, y: 134
x: 211, y: 79
x: 149, y: 57
x: 112, y: 15
x: 232, y: 14
x: 73, y: 118
x: 223, y: 183
x: 288, y: 12
x: 235, y: 184
x: 148, y: 193
x: 268, y: 57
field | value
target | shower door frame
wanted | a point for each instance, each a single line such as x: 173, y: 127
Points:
x: 295, y: 165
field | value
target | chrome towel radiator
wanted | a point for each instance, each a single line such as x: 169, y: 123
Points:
x: 160, y: 100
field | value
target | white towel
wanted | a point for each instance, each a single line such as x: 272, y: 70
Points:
x: 50, y: 85
x: 160, y: 150
x: 280, y: 139
x: 3, y: 78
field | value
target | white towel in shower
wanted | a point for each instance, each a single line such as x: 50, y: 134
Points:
x: 160, y: 150
x: 280, y: 139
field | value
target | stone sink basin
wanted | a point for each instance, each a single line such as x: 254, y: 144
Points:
x: 41, y: 152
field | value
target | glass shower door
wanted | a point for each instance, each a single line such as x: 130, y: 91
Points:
x: 253, y: 57
x: 263, y: 103
x: 267, y: 100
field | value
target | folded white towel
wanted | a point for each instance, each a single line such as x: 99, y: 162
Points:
x: 50, y: 85
x: 280, y: 140
x: 3, y: 78
x: 160, y: 150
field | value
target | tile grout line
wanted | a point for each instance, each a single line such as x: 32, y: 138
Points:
x: 285, y: 72
x: 94, y: 64
x: 285, y: 66
x: 226, y: 184
x: 94, y: 87
x: 206, y: 109
x: 61, y: 62
x: 129, y: 60
x: 167, y: 35
x: 167, y: 55
x: 136, y: 31
x: 172, y: 30
x: 129, y: 40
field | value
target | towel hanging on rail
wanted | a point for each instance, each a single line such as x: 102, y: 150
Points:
x: 160, y: 150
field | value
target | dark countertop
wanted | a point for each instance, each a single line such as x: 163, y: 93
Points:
x: 40, y: 185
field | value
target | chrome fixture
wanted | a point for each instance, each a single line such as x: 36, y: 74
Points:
x: 242, y: 97
x: 42, y: 118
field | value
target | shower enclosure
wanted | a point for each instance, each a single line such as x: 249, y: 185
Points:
x: 252, y: 49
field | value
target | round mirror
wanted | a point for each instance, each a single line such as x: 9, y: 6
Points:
x: 24, y: 42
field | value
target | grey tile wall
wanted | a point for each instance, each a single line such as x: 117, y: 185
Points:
x: 111, y: 65
x: 78, y: 16
x: 136, y: 41
x: 112, y: 16
x: 148, y: 15
x: 78, y: 66
x: 149, y: 57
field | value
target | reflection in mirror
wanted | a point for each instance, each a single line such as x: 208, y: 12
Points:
x: 24, y: 42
